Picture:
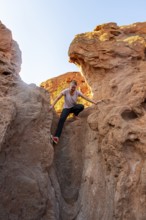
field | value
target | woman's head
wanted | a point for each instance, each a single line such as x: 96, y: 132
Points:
x: 73, y: 85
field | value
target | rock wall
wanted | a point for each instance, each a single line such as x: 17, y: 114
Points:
x: 98, y: 169
x: 26, y: 154
x: 113, y: 61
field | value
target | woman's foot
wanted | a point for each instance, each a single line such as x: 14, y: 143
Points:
x: 55, y: 139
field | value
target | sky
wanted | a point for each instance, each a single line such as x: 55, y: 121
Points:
x: 44, y: 29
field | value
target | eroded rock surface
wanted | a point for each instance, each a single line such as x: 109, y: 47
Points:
x: 113, y: 60
x: 98, y: 169
x: 25, y: 150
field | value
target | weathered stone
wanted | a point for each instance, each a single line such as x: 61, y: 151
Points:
x: 98, y: 169
x: 26, y: 154
x: 114, y: 66
x: 10, y: 54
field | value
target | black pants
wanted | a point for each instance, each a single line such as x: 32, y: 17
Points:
x: 65, y: 112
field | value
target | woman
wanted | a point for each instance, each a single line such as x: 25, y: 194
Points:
x: 70, y: 96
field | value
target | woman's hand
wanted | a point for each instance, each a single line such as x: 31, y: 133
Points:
x: 99, y: 101
x: 103, y: 100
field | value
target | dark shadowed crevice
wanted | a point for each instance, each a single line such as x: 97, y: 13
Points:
x: 129, y: 115
x: 145, y: 52
x: 6, y: 73
x: 144, y: 104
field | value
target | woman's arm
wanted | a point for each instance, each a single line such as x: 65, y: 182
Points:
x: 56, y: 100
x: 89, y: 100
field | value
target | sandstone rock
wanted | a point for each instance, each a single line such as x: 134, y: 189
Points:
x: 26, y: 154
x: 114, y: 66
x: 10, y: 54
x: 98, y: 169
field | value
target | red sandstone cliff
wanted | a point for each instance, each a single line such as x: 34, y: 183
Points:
x: 98, y: 170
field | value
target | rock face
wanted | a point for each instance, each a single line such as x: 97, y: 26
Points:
x: 98, y: 169
x: 113, y: 61
x: 25, y: 150
x: 55, y: 85
x: 10, y: 54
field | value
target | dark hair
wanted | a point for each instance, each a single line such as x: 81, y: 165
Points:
x: 74, y: 82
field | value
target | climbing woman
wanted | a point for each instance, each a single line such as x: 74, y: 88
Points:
x: 70, y: 97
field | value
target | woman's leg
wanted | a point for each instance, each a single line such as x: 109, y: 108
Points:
x: 77, y: 109
x: 63, y: 116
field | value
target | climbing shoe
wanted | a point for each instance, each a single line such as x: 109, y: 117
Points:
x: 55, y: 139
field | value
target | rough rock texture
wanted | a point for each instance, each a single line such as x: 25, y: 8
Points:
x: 10, y: 54
x: 98, y: 169
x: 55, y: 85
x: 25, y: 150
x: 113, y: 61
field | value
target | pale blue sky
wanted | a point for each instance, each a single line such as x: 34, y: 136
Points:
x: 44, y: 29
